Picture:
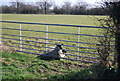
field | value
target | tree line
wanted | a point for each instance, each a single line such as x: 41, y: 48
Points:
x: 49, y: 7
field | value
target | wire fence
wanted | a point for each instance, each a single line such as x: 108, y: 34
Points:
x: 80, y: 42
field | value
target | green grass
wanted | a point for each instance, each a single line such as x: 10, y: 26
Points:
x: 25, y: 66
x: 58, y: 19
x: 18, y: 66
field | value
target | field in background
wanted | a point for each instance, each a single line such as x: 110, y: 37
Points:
x: 56, y: 19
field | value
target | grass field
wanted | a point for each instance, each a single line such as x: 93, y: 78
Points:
x: 17, y: 66
x: 53, y: 19
x: 57, y: 19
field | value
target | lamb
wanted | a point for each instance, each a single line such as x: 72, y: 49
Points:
x: 55, y: 53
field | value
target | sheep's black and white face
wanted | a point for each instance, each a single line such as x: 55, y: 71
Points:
x: 60, y: 47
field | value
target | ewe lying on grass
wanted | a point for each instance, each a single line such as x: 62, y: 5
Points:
x: 54, y: 53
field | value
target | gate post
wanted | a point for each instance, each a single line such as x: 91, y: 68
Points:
x: 20, y: 37
x: 78, y: 39
x: 46, y: 36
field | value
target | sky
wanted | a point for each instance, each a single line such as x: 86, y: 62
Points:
x: 89, y: 1
x: 59, y: 2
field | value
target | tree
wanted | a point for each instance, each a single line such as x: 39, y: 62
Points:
x: 44, y: 5
x: 96, y: 11
x: 114, y: 9
x: 57, y: 10
x: 66, y: 7
x: 113, y: 30
x: 80, y: 8
x: 17, y: 4
x: 28, y: 9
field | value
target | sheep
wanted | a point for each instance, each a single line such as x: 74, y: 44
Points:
x: 55, y: 53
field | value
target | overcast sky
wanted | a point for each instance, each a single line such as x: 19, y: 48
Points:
x: 89, y: 1
x: 57, y: 1
x: 60, y: 1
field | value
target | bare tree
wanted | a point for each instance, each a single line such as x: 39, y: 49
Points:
x: 66, y: 7
x: 44, y: 5
x: 110, y: 0
x: 17, y: 4
x: 80, y: 7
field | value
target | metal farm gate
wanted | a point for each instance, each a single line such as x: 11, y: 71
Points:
x: 34, y: 38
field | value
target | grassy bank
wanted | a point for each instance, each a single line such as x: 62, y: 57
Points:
x: 22, y: 67
x: 25, y: 66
